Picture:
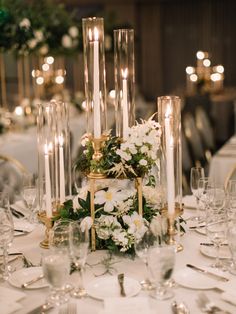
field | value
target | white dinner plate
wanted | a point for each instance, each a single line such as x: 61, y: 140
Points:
x: 24, y: 275
x: 192, y: 279
x: 210, y: 251
x: 23, y: 225
x: 108, y: 287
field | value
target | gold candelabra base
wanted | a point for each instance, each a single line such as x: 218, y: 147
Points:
x: 48, y: 222
x: 171, y: 227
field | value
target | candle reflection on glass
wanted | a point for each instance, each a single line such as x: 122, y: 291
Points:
x: 62, y: 170
x: 48, y: 148
x: 125, y: 103
x: 170, y: 163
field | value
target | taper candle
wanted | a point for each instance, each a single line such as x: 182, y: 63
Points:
x: 47, y: 181
x: 125, y: 103
x: 62, y: 171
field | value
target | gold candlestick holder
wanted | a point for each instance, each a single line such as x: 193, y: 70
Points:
x: 48, y: 222
x: 171, y: 227
x: 97, y: 156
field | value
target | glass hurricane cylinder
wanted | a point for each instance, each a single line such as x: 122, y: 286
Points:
x: 95, y: 76
x: 54, y: 160
x: 169, y: 117
x: 124, y: 80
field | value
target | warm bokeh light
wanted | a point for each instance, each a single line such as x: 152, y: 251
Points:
x: 190, y: 70
x: 45, y: 67
x: 19, y: 111
x: 206, y: 62
x: 220, y: 68
x: 193, y: 77
x: 200, y: 55
x: 49, y: 60
x: 112, y: 94
x: 216, y: 77
x: 59, y: 79
x: 40, y: 80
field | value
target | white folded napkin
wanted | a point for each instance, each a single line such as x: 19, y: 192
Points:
x: 189, y: 201
x: 8, y: 300
x: 23, y: 225
x: 126, y: 306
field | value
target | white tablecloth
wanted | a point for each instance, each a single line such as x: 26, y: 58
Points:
x: 29, y: 245
x: 223, y: 161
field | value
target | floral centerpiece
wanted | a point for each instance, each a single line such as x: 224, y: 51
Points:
x: 117, y: 222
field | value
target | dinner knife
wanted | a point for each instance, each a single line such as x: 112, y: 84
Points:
x: 30, y: 282
x: 211, y: 244
x: 17, y: 213
x: 208, y: 273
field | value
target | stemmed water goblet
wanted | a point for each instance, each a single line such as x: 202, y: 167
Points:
x: 79, y: 246
x: 161, y: 261
x: 196, y: 174
x: 6, y: 233
x: 216, y: 220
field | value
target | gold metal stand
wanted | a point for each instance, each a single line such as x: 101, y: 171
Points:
x: 138, y: 185
x: 171, y: 227
x: 48, y: 224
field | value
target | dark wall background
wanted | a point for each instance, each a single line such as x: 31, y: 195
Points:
x: 168, y: 34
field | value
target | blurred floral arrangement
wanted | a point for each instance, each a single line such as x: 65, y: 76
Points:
x: 40, y: 27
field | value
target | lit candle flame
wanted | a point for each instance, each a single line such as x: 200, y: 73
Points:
x: 124, y: 73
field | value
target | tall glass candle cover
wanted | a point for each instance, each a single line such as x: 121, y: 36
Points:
x: 124, y: 80
x: 54, y: 162
x: 95, y: 75
x: 169, y: 116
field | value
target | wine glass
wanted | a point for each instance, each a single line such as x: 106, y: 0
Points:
x: 231, y: 237
x: 29, y: 193
x: 203, y: 185
x: 56, y: 270
x: 141, y: 247
x: 196, y: 174
x: 79, y: 246
x: 6, y: 232
x: 216, y: 220
x: 161, y: 261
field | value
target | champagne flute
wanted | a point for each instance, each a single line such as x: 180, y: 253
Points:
x: 196, y: 174
x: 29, y: 193
x: 161, y: 261
x: 6, y: 232
x: 79, y: 246
x: 231, y: 237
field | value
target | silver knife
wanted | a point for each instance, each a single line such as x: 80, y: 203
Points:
x: 208, y: 273
x: 30, y: 282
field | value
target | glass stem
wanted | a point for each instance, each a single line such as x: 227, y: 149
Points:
x: 5, y: 263
x: 81, y: 280
x: 197, y: 208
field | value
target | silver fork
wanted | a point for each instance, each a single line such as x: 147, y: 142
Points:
x: 72, y: 308
x: 207, y: 306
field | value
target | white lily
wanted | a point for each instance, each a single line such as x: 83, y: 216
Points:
x: 110, y: 198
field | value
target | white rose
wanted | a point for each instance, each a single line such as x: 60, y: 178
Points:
x: 66, y: 41
x: 25, y: 23
x: 144, y: 149
x: 76, y: 204
x: 73, y: 31
x: 143, y: 162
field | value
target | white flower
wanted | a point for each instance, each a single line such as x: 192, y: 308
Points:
x: 159, y: 226
x: 119, y: 236
x: 38, y: 34
x: 123, y: 154
x: 144, y: 149
x: 66, y: 41
x: 25, y: 23
x: 143, y: 162
x: 84, y: 139
x: 76, y: 204
x: 43, y: 50
x: 105, y: 225
x: 32, y: 43
x: 109, y: 198
x: 86, y: 223
x: 73, y: 31
x: 136, y: 225
x: 151, y: 194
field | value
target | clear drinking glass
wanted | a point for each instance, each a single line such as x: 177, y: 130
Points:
x: 79, y: 246
x: 203, y: 185
x: 161, y: 261
x: 231, y: 237
x: 196, y: 174
x: 141, y: 247
x: 216, y: 220
x: 6, y: 233
x: 29, y: 194
x: 56, y: 269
